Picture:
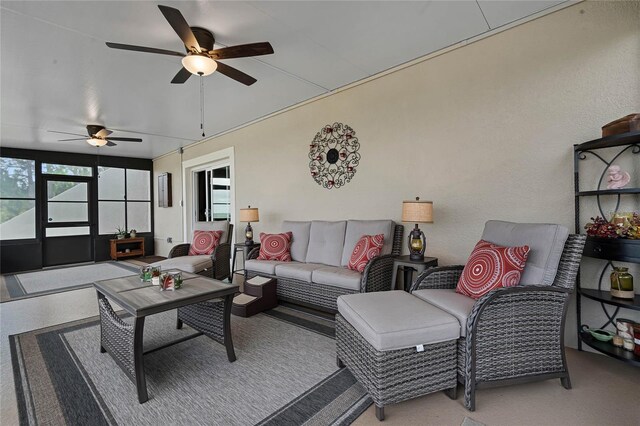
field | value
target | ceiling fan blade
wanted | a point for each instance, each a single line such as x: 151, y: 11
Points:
x: 182, y: 76
x: 103, y: 133
x: 143, y: 49
x: 109, y: 143
x: 242, y: 50
x: 78, y: 139
x: 179, y: 24
x: 124, y: 139
x: 66, y: 133
x: 235, y: 74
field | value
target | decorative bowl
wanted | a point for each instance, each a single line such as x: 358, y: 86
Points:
x: 602, y: 335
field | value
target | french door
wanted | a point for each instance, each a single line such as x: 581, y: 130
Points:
x: 67, y: 223
x: 213, y: 194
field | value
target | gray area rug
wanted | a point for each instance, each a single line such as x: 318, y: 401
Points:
x: 55, y: 280
x: 285, y: 374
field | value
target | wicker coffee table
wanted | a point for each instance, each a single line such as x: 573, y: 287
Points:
x: 123, y: 341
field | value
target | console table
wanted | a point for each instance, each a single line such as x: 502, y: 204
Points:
x: 118, y: 247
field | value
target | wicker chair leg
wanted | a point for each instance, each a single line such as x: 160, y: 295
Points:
x: 566, y: 381
x: 452, y: 392
x: 380, y: 412
x: 178, y: 323
x: 470, y: 394
x: 339, y: 363
x: 102, y: 349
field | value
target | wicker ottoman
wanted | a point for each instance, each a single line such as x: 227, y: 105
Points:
x: 397, y: 346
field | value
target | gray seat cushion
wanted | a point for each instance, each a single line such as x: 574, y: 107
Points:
x: 326, y: 241
x: 300, y: 238
x: 296, y: 270
x: 218, y: 225
x: 546, y: 242
x: 262, y: 266
x: 193, y: 264
x: 357, y: 228
x: 448, y: 300
x: 396, y: 320
x: 337, y: 276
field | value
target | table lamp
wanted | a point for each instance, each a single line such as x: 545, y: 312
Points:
x: 417, y: 212
x: 250, y: 214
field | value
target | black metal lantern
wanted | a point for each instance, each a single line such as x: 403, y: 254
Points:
x: 418, y: 212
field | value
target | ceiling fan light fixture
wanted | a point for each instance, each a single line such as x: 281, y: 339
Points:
x: 96, y: 142
x: 199, y: 64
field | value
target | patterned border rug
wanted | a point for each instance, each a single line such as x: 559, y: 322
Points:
x: 285, y: 374
x: 58, y: 280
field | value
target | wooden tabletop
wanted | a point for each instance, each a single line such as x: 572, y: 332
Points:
x: 141, y: 298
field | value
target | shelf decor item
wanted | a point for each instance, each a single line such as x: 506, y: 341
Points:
x: 417, y: 212
x: 250, y: 214
x: 622, y: 225
x: 617, y: 178
x: 628, y: 123
x: 334, y: 155
x: 133, y: 233
x: 622, y: 283
x: 120, y: 233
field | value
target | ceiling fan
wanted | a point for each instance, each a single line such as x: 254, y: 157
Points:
x: 98, y: 136
x: 201, y: 58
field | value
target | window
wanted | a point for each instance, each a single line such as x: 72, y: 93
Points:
x: 124, y: 200
x: 17, y: 199
x: 63, y: 169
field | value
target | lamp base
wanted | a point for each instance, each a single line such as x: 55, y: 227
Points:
x: 416, y: 257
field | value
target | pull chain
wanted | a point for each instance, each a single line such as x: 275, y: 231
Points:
x: 202, y: 104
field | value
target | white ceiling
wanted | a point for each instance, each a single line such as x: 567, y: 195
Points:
x: 57, y: 73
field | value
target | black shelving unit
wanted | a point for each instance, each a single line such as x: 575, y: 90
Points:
x: 607, y: 249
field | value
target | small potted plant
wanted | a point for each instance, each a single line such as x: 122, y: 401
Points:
x: 132, y: 233
x: 120, y: 233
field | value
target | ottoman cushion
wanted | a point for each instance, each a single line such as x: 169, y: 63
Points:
x: 448, y: 300
x: 391, y: 320
x: 193, y: 264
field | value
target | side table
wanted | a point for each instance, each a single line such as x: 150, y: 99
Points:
x: 245, y: 249
x: 410, y: 266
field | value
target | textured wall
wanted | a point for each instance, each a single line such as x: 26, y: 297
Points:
x: 485, y: 131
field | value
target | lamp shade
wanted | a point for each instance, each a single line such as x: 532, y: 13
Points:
x: 417, y: 211
x: 249, y: 214
x: 199, y: 64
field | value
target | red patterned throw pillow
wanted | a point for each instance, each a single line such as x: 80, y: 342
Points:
x: 204, y: 242
x: 368, y: 247
x: 275, y: 246
x: 491, y: 266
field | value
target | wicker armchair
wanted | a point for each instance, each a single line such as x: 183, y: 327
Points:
x: 221, y: 257
x: 514, y: 334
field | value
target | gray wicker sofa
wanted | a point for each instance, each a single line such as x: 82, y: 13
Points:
x: 320, y: 251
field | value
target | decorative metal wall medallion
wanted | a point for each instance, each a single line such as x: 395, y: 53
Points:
x: 334, y: 155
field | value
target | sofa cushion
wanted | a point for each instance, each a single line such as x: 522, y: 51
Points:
x: 218, y: 225
x: 262, y: 266
x: 546, y: 242
x: 491, y: 266
x: 275, y: 247
x: 357, y: 228
x: 368, y: 247
x: 396, y: 320
x: 193, y: 264
x: 204, y: 242
x: 337, y: 276
x: 300, y: 239
x: 456, y: 304
x: 326, y: 242
x: 296, y: 270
